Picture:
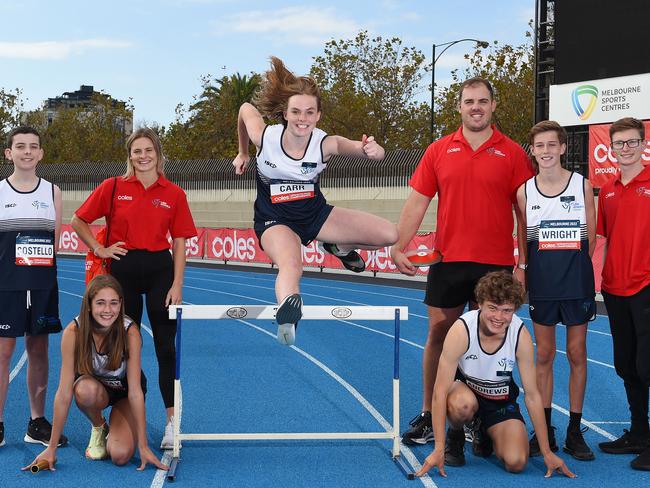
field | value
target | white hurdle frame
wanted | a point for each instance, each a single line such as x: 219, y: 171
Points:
x: 267, y: 312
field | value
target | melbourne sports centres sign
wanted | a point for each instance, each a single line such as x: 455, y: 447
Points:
x: 600, y: 101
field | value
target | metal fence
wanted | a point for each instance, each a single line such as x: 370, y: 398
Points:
x: 218, y: 174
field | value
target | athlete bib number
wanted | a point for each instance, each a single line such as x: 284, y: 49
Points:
x: 291, y: 191
x: 558, y: 235
x: 34, y: 251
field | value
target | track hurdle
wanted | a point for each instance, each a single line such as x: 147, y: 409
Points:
x: 264, y: 312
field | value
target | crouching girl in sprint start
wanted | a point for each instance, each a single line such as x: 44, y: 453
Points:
x: 100, y: 352
x: 290, y: 209
x: 480, y: 352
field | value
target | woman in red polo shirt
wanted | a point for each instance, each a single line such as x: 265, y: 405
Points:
x: 144, y: 207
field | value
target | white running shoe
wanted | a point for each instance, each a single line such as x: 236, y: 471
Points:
x: 288, y: 314
x: 168, y: 438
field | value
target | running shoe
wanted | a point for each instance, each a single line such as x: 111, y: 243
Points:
x: 287, y: 317
x: 481, y: 441
x: 534, y: 444
x: 351, y: 260
x: 455, y: 447
x: 168, y: 438
x: 628, y: 443
x: 576, y: 446
x: 96, y: 449
x: 421, y: 430
x: 39, y: 431
x: 642, y: 461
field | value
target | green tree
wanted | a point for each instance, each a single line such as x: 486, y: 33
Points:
x: 510, y: 69
x: 11, y: 105
x: 94, y: 133
x: 369, y: 85
x: 208, y: 128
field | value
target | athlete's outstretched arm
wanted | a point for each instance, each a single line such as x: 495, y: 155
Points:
x: 590, y: 212
x: 63, y: 397
x: 367, y: 147
x: 454, y: 347
x: 250, y: 127
x: 521, y: 233
x: 533, y: 399
x: 408, y: 224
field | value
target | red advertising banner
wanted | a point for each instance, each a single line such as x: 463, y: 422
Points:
x: 602, y: 162
x: 241, y: 245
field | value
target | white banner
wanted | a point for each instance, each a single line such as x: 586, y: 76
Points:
x: 600, y: 101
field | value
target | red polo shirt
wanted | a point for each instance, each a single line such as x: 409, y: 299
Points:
x: 476, y: 191
x: 141, y: 217
x: 624, y: 219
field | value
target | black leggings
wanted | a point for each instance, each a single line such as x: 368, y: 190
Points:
x: 629, y: 321
x: 151, y: 273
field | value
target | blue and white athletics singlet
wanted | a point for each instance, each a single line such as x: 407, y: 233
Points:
x: 27, y: 247
x: 288, y: 188
x: 559, y: 266
x: 489, y: 376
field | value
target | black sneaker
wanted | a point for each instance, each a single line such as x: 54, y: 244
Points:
x: 455, y: 447
x: 352, y: 260
x: 628, y: 443
x: 421, y: 430
x: 39, y: 431
x: 481, y: 441
x: 2, y: 434
x: 576, y: 446
x: 642, y: 461
x: 534, y: 444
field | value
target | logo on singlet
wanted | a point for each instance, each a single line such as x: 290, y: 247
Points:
x: 124, y: 197
x: 453, y: 150
x: 39, y: 205
x: 535, y: 207
x: 269, y: 163
x: 10, y: 205
x: 5, y: 326
x: 471, y: 356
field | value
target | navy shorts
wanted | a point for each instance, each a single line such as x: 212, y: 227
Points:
x: 305, y: 230
x: 452, y: 284
x: 567, y: 312
x: 492, y: 413
x: 29, y: 312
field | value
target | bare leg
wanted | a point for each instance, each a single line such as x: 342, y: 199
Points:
x: 37, y: 371
x: 462, y: 405
x: 354, y: 229
x: 440, y: 320
x: 123, y: 439
x: 510, y: 444
x: 7, y: 347
x: 91, y: 398
x: 577, y: 354
x: 545, y: 355
x: 282, y: 245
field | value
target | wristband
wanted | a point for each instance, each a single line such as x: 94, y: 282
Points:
x: 522, y: 266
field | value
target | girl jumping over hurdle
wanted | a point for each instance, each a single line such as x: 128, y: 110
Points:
x: 290, y: 209
x: 100, y: 354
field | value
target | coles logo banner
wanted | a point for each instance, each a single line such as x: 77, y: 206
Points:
x: 602, y: 162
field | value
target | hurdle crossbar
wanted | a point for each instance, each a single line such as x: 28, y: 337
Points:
x: 268, y: 312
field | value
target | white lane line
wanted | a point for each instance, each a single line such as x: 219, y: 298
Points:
x: 18, y: 367
x: 586, y: 423
x: 408, y: 454
x: 611, y: 422
x: 160, y: 476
